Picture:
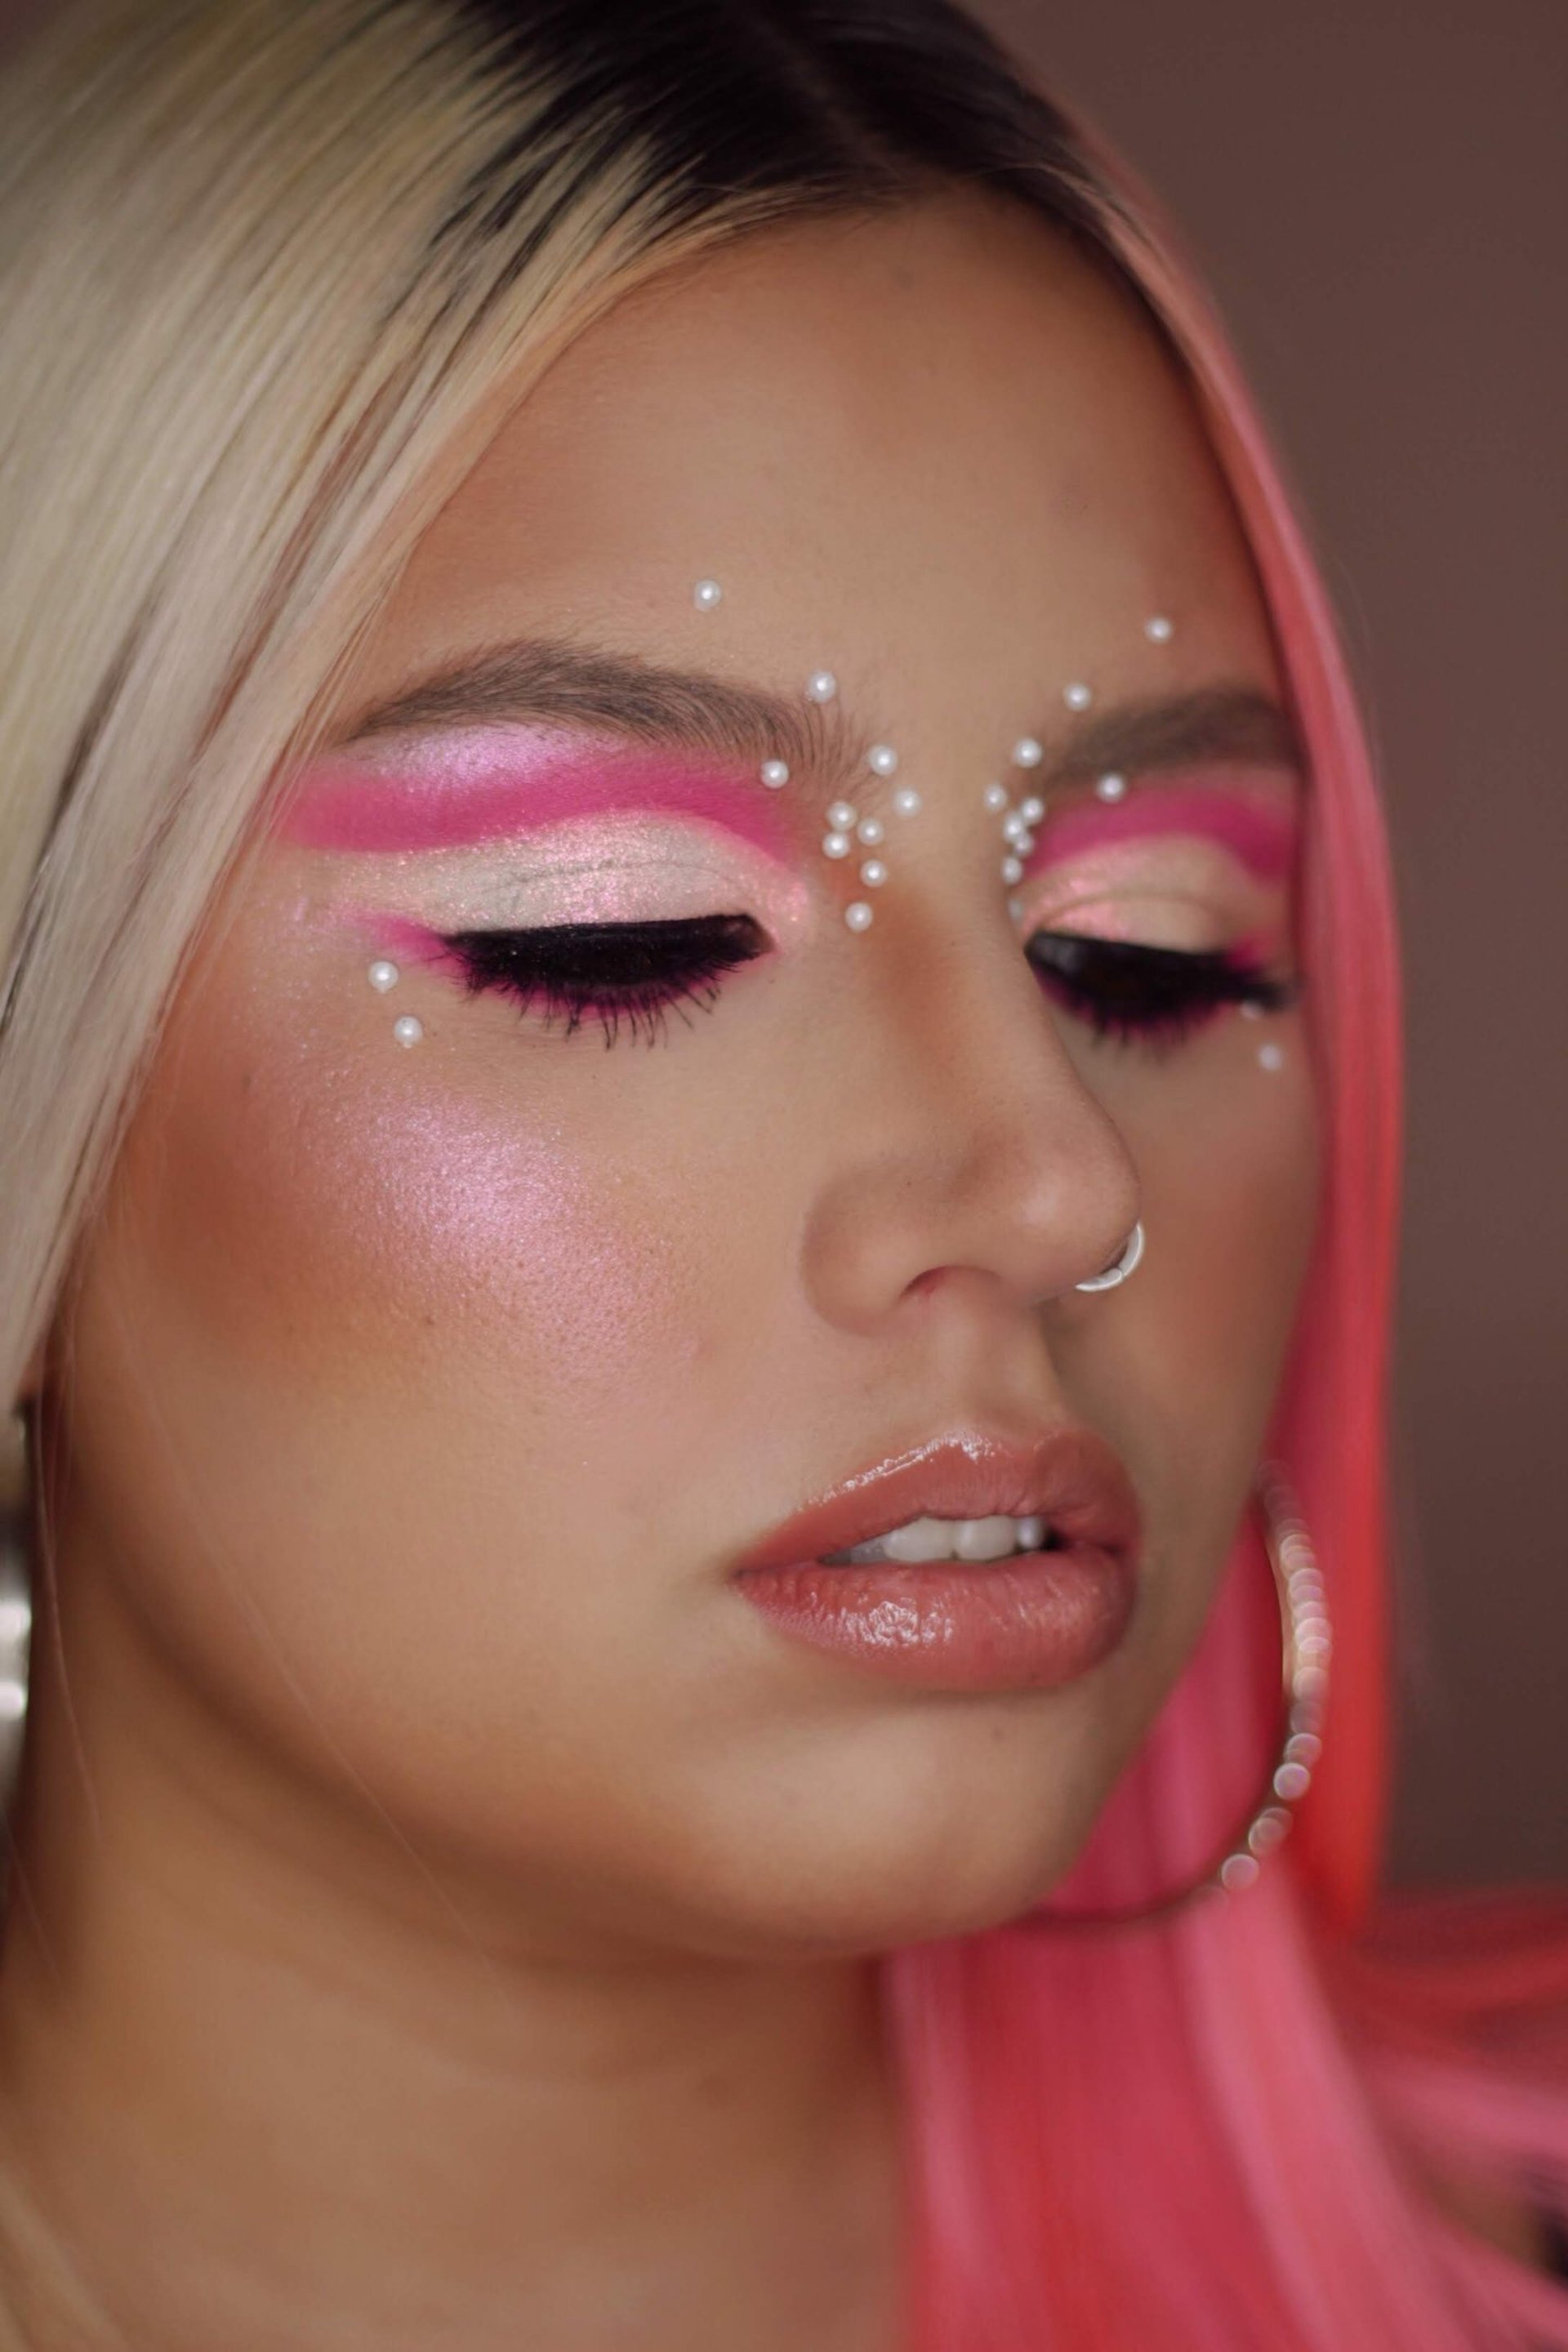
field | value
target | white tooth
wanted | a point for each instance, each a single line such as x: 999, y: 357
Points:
x: 1031, y: 1534
x: 983, y: 1538
x: 920, y: 1539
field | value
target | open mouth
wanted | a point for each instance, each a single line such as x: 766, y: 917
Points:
x: 970, y: 1563
x: 917, y: 1542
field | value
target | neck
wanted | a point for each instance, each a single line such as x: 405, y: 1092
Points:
x: 273, y: 2073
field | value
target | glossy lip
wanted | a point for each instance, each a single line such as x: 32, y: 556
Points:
x: 1028, y: 1622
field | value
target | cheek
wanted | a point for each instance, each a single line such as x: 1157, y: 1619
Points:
x: 313, y: 1210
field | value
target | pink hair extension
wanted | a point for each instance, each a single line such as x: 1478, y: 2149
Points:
x: 1202, y: 2134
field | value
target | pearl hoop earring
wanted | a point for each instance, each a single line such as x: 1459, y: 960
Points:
x: 15, y: 1590
x: 1307, y: 1639
x: 1117, y: 1272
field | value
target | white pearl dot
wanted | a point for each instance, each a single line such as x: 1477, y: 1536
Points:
x: 775, y: 774
x: 882, y: 759
x: 408, y: 1031
x: 1012, y: 869
x: 1271, y: 1058
x: 1026, y: 752
x: 858, y: 915
x: 1014, y: 824
x: 906, y: 801
x: 841, y: 816
x: 873, y: 874
x: 821, y: 686
x: 835, y: 845
x: 995, y: 797
x: 1159, y: 630
x: 1112, y: 788
x: 1239, y: 1871
x: 1268, y: 1829
x: 706, y: 594
x: 1078, y: 696
x: 1023, y: 842
x: 871, y: 829
x: 1031, y: 810
x: 383, y: 976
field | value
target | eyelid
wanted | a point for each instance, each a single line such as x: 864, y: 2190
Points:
x: 1115, y: 887
x: 628, y: 867
x: 1240, y: 814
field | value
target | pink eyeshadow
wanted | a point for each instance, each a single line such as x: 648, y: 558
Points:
x: 1261, y: 834
x: 457, y: 791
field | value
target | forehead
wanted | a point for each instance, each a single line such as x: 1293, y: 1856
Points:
x: 935, y: 445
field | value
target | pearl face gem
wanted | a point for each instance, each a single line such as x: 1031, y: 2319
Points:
x: 1015, y: 825
x: 906, y: 801
x: 841, y: 816
x: 706, y: 594
x: 408, y: 1032
x: 774, y: 772
x: 858, y: 915
x: 1271, y: 1058
x: 835, y: 845
x: 882, y: 759
x: 1112, y: 788
x: 1012, y: 870
x: 1078, y: 696
x: 995, y: 798
x: 1031, y: 810
x: 383, y: 976
x: 870, y: 830
x: 1159, y: 630
x: 873, y: 874
x: 821, y: 686
x: 1026, y: 752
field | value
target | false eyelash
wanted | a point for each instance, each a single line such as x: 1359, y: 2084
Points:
x: 627, y: 976
x: 1155, y: 995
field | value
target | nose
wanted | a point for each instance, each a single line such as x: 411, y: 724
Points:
x: 971, y: 1154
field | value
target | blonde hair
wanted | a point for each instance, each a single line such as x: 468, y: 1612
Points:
x: 294, y: 196
x: 299, y: 199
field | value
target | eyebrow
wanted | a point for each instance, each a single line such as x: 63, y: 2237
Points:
x: 1237, y: 726
x: 538, y: 678
x: 573, y: 685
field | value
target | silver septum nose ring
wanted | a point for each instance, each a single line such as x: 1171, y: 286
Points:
x: 1122, y: 1267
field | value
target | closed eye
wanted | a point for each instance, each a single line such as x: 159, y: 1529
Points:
x: 626, y: 976
x: 1158, y: 995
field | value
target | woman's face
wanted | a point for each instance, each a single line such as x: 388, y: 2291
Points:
x: 480, y: 1289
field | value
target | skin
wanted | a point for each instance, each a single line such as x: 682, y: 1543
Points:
x: 433, y: 1841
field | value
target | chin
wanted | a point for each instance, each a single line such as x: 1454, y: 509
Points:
x: 841, y: 1885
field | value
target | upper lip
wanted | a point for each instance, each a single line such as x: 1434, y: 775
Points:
x: 1066, y: 1476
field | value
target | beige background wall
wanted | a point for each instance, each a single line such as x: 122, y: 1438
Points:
x: 1379, y: 190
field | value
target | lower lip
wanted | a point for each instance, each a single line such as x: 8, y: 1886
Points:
x: 1032, y: 1621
